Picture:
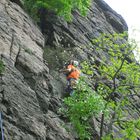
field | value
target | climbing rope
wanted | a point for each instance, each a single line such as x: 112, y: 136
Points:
x: 1, y: 128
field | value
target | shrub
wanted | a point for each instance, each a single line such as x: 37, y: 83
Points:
x: 1, y: 66
x: 83, y: 105
x: 62, y: 8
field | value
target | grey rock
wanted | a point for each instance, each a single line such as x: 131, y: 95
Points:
x: 31, y: 88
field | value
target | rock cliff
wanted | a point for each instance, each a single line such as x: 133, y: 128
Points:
x: 31, y: 89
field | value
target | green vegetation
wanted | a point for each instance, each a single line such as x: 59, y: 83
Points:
x: 113, y: 96
x: 123, y: 72
x: 62, y: 8
x: 1, y: 66
x: 29, y: 51
x: 83, y: 105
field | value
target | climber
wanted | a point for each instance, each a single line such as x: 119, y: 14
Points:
x: 72, y: 74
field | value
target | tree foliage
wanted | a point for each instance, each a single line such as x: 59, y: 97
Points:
x: 62, y: 8
x: 83, y: 105
x: 123, y: 74
x: 112, y: 97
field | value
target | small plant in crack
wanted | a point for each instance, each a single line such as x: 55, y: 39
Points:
x: 2, y: 67
x: 29, y: 51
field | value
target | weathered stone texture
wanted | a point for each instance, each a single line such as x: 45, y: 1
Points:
x: 30, y: 88
x: 24, y: 85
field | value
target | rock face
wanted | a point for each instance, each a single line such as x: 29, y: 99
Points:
x: 25, y: 87
x: 30, y: 88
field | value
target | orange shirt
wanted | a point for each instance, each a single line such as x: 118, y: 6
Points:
x: 75, y: 72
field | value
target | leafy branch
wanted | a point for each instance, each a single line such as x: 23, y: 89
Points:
x: 62, y: 8
x: 117, y: 66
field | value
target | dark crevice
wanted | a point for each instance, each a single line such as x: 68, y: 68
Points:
x: 42, y: 103
x: 16, y: 59
x: 18, y: 2
x: 12, y: 42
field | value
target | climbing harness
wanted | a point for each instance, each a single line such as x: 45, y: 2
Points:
x: 1, y: 128
x: 71, y: 86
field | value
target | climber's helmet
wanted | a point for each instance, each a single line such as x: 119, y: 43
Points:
x: 75, y: 63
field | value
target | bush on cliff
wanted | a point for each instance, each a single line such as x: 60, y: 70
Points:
x: 62, y: 8
x: 82, y: 106
x: 113, y: 96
